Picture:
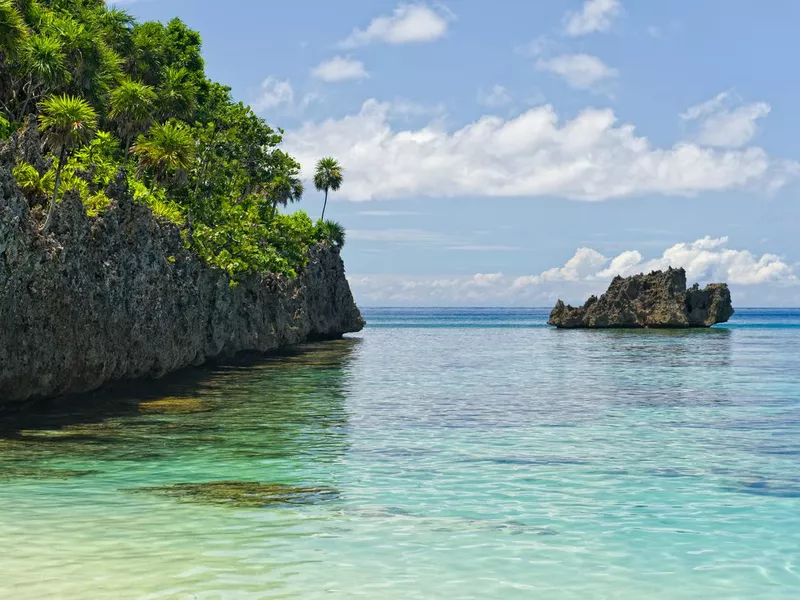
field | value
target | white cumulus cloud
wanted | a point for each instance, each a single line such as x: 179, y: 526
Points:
x: 726, y: 122
x: 588, y: 272
x: 409, y: 23
x: 340, y: 68
x: 578, y: 70
x: 596, y: 15
x: 705, y: 259
x: 591, y: 157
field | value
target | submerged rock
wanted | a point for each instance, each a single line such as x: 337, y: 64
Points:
x: 119, y: 297
x: 658, y: 299
x: 173, y: 406
x: 243, y: 494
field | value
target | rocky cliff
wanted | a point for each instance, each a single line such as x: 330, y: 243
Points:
x: 658, y: 299
x: 118, y: 296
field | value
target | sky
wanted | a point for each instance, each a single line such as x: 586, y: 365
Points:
x: 510, y: 153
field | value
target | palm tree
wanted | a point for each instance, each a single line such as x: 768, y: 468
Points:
x: 327, y: 177
x: 331, y: 232
x: 177, y: 94
x: 117, y: 25
x: 285, y: 189
x: 282, y: 190
x: 65, y: 121
x: 167, y: 148
x: 44, y: 61
x: 132, y: 105
x: 12, y: 28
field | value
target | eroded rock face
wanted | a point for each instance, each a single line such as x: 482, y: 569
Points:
x: 658, y: 299
x: 119, y: 297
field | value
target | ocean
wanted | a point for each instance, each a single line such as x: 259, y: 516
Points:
x: 440, y: 453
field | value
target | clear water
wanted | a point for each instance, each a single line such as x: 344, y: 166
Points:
x: 471, y: 454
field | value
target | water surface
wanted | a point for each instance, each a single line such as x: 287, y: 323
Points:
x: 439, y: 454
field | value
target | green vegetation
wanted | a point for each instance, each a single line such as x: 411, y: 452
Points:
x: 108, y: 93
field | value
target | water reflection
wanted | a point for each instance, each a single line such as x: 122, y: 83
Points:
x: 644, y: 367
x: 286, y: 407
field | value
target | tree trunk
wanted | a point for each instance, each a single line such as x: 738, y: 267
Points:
x: 61, y: 159
x: 325, y: 204
x: 127, y: 151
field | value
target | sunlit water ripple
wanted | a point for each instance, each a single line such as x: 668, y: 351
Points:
x: 439, y: 454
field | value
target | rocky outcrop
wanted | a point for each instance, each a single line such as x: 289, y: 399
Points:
x: 659, y: 299
x: 118, y: 297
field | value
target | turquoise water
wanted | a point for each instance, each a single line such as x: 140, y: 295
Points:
x: 439, y: 454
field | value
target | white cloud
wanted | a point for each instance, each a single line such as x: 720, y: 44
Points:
x: 277, y: 95
x: 596, y: 15
x: 274, y: 93
x: 705, y: 259
x: 486, y: 279
x: 583, y: 265
x: 725, y: 122
x: 409, y: 23
x: 589, y: 272
x: 578, y: 70
x: 708, y: 259
x: 495, y: 97
x: 340, y: 68
x: 591, y: 157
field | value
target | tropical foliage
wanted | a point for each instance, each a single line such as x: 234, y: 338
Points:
x: 108, y: 93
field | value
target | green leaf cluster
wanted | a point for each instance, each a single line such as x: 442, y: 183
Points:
x: 109, y: 93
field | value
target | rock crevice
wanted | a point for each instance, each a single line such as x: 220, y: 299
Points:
x: 119, y: 297
x: 658, y: 299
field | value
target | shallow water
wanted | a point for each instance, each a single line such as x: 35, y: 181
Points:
x: 440, y: 454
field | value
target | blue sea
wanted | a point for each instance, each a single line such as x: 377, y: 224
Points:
x: 440, y: 453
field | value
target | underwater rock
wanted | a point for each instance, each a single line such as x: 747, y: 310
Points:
x: 243, y: 494
x: 10, y: 473
x: 658, y: 299
x: 172, y: 406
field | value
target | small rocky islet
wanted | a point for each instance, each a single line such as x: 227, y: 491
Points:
x: 659, y: 299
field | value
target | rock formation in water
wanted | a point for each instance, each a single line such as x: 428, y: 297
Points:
x: 119, y: 297
x: 659, y: 299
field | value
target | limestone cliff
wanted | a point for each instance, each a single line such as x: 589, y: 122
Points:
x: 658, y: 299
x: 118, y: 296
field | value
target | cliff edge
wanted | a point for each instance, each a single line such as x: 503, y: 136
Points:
x: 120, y: 297
x: 657, y: 299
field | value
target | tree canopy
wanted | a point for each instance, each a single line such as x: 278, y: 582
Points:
x: 111, y: 93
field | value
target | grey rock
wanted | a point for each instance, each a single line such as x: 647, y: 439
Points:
x: 658, y: 299
x: 119, y: 297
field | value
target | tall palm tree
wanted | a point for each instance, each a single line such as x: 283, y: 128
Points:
x: 328, y: 176
x: 132, y: 106
x: 166, y: 149
x: 65, y: 121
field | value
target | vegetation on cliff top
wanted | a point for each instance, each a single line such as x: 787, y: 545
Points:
x: 107, y: 93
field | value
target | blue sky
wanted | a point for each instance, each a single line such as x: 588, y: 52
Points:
x: 509, y: 153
